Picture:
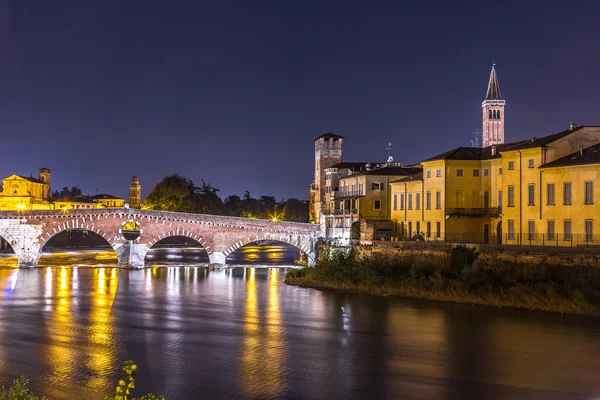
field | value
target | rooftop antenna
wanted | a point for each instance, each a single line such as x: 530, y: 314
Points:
x: 475, y: 141
x: 389, y: 150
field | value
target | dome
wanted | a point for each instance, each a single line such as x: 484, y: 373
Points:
x: 135, y: 180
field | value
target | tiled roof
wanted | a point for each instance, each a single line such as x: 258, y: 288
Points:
x: 30, y: 179
x: 329, y: 135
x: 390, y: 171
x: 590, y: 155
x: 105, y: 197
x: 485, y: 153
x: 416, y: 177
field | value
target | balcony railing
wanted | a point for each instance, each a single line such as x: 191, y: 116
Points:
x: 350, y: 193
x: 474, y: 212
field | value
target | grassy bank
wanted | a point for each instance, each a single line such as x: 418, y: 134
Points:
x: 458, y: 277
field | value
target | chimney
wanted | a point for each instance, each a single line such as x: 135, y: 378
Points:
x: 580, y: 152
x: 494, y: 150
x: 572, y: 126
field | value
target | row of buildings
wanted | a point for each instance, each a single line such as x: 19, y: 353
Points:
x: 539, y: 191
x: 29, y: 193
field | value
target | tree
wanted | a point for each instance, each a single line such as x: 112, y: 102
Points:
x: 173, y: 193
x: 295, y: 210
x: 233, y: 205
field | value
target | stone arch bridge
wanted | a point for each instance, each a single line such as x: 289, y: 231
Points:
x: 28, y: 232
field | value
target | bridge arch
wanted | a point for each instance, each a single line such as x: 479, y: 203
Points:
x: 99, y: 232
x: 295, y: 241
x: 182, y: 233
x: 12, y: 242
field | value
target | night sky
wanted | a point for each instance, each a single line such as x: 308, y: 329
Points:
x: 234, y: 92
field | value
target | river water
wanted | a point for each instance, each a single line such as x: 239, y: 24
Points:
x: 243, y: 333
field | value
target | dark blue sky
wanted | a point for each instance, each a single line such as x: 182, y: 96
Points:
x: 233, y: 92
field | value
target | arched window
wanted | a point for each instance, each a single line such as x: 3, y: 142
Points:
x: 498, y: 114
x: 491, y: 115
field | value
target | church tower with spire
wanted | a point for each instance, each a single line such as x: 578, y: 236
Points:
x: 493, y: 113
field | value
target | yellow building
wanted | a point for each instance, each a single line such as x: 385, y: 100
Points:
x: 26, y: 193
x: 108, y: 200
x: 360, y: 191
x: 78, y: 202
x: 506, y: 193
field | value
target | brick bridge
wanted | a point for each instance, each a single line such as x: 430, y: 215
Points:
x: 29, y: 231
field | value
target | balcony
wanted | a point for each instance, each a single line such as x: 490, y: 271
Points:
x: 350, y: 194
x: 474, y: 212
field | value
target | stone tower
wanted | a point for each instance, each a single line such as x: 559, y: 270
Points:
x: 493, y: 113
x: 44, y: 176
x: 328, y: 152
x: 135, y: 193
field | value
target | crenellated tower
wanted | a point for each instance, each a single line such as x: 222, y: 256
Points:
x: 493, y: 113
x: 328, y: 152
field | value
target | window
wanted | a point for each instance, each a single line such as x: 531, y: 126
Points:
x: 531, y: 194
x: 500, y: 171
x: 438, y: 200
x: 428, y: 230
x: 567, y: 229
x: 428, y: 201
x: 402, y: 201
x: 475, y: 172
x: 395, y: 201
x: 589, y: 232
x: 410, y: 201
x: 550, y: 194
x: 429, y: 173
x: 485, y: 172
x: 376, y: 204
x: 417, y: 201
x: 551, y: 230
x: 418, y: 227
x: 460, y: 172
x: 511, y: 165
x: 438, y: 229
x: 589, y: 192
x: 438, y: 173
x: 531, y: 163
x: 511, y: 229
x: 500, y: 201
x: 377, y: 186
x: 567, y: 200
x: 511, y: 196
x: 410, y: 231
x: 361, y: 189
x: 531, y: 226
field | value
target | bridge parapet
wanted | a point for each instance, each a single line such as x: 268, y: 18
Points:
x: 29, y: 231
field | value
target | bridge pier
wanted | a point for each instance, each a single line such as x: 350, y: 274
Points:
x: 131, y: 254
x: 27, y: 260
x: 217, y: 258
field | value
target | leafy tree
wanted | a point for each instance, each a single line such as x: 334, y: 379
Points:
x: 173, y: 193
x: 66, y: 193
x: 295, y: 210
x: 233, y: 205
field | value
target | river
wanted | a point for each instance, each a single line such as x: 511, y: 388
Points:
x: 243, y: 333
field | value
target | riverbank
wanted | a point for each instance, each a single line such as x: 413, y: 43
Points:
x: 458, y: 278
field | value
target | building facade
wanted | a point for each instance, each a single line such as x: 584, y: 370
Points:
x: 21, y: 192
x: 328, y: 152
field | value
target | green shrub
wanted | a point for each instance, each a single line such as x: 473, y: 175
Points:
x: 355, y: 230
x: 19, y: 391
x: 422, y: 269
x: 462, y: 257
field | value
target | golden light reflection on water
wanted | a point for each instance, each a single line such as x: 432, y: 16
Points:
x: 68, y: 321
x: 262, y: 352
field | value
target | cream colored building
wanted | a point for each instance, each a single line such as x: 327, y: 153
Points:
x: 26, y: 193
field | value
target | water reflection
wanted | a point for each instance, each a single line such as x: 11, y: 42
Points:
x: 241, y: 333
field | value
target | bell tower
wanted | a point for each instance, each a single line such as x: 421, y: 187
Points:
x: 493, y: 113
x: 328, y: 152
x: 44, y: 176
x: 135, y: 193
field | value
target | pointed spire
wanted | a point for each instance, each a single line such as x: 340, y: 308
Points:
x: 493, y: 91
